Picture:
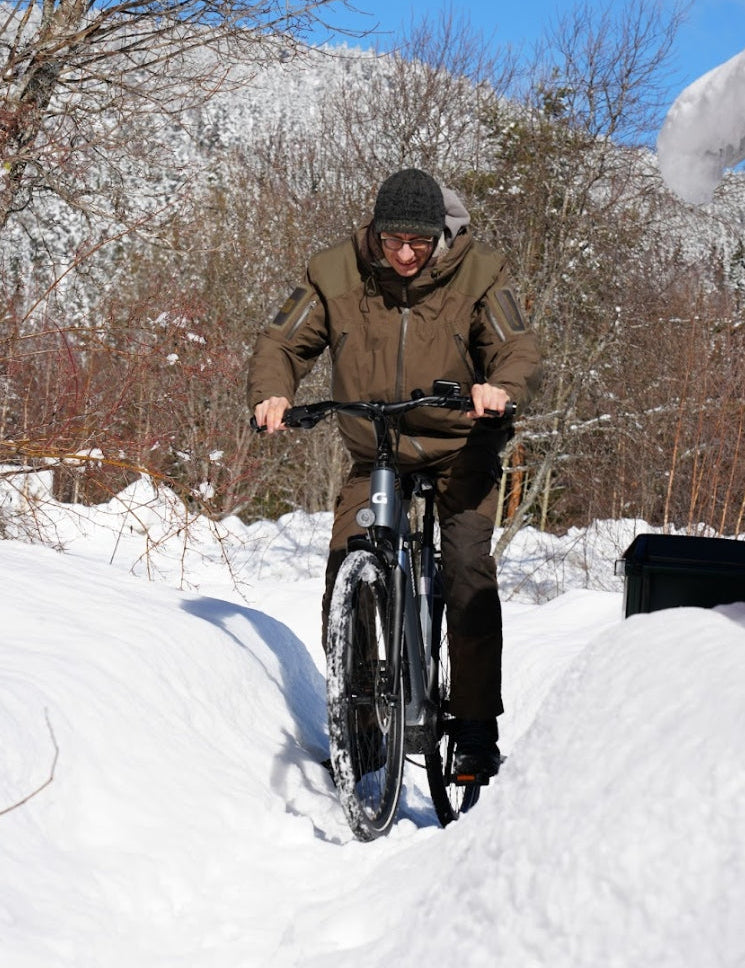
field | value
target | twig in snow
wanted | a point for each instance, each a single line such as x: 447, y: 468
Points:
x: 48, y: 780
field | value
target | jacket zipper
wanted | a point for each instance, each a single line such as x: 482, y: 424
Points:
x: 465, y: 355
x: 301, y: 318
x: 497, y: 328
x: 402, y: 345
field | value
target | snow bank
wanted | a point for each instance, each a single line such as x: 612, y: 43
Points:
x: 162, y: 800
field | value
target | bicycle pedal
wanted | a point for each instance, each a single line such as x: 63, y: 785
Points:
x: 471, y: 779
x: 476, y: 778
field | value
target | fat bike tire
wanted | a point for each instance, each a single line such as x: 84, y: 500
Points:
x: 449, y: 799
x: 365, y: 709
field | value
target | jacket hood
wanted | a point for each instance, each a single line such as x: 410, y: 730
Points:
x: 456, y: 215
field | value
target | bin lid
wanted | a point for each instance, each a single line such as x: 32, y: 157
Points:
x: 684, y: 550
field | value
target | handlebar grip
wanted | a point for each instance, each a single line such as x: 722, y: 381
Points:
x: 510, y: 411
x: 303, y: 416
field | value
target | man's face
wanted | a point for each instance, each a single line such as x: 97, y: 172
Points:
x: 406, y: 253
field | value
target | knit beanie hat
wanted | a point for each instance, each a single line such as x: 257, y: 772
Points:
x: 410, y: 201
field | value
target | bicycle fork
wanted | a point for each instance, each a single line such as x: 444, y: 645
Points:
x: 421, y: 710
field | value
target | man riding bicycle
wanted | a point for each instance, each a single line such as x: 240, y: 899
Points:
x: 409, y: 299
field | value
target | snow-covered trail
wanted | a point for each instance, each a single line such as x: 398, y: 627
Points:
x: 188, y: 821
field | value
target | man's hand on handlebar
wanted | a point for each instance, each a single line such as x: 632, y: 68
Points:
x: 487, y: 397
x: 270, y: 413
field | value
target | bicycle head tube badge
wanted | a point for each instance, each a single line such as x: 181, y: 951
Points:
x: 383, y: 496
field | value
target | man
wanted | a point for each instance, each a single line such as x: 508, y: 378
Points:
x: 409, y: 299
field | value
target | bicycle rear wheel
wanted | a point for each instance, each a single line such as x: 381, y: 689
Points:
x: 365, y: 708
x: 449, y: 799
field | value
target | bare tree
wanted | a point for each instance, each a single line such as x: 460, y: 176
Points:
x: 424, y: 103
x: 565, y: 191
x: 607, y: 67
x: 78, y: 77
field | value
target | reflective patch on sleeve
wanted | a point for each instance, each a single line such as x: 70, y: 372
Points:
x: 294, y: 308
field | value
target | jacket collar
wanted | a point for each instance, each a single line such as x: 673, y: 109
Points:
x: 378, y: 274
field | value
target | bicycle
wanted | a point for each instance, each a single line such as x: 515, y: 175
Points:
x: 388, y: 670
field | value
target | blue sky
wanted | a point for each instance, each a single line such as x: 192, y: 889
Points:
x: 713, y: 32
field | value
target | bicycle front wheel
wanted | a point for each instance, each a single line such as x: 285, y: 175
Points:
x: 449, y: 799
x: 365, y: 703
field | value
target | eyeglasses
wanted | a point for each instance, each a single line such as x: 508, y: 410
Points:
x: 393, y: 243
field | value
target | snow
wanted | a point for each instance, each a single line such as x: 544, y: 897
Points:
x: 163, y: 803
x: 704, y: 132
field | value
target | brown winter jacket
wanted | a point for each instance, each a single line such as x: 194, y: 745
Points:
x: 387, y: 336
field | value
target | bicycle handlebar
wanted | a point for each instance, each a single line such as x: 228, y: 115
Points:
x: 306, y: 416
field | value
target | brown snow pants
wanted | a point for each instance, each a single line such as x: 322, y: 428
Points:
x: 466, y: 500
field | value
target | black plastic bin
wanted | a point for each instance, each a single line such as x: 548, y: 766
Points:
x: 666, y: 571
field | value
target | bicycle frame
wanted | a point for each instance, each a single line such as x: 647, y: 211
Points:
x: 389, y: 535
